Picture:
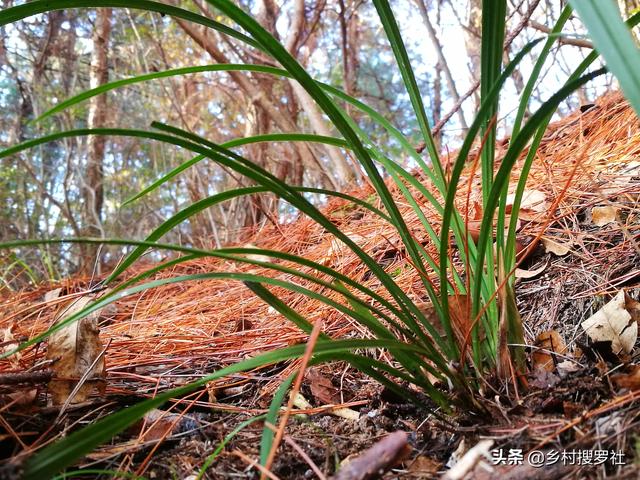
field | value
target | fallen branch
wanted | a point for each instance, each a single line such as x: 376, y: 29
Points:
x: 382, y: 456
x: 25, y: 377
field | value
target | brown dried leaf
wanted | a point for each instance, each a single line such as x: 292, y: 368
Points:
x: 533, y: 203
x: 630, y: 381
x: 22, y: 398
x: 322, y: 389
x: 158, y: 424
x: 9, y: 343
x: 633, y: 307
x: 522, y: 273
x: 459, y: 309
x: 73, y: 350
x: 555, y: 247
x: 549, y: 342
x: 52, y: 294
x: 534, y: 200
x: 601, y: 216
x: 613, y: 323
x: 424, y: 466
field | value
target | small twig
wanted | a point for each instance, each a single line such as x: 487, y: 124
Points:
x: 382, y: 456
x: 40, y: 376
x: 576, y: 42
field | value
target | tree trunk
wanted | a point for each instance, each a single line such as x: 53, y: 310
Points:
x: 93, y: 186
x: 472, y: 42
x: 443, y: 66
x: 345, y: 173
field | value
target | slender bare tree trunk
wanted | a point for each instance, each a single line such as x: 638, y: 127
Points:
x: 472, y: 42
x: 93, y: 187
x: 442, y: 61
x: 345, y: 173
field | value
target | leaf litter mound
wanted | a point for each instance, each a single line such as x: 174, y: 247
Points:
x: 579, y: 235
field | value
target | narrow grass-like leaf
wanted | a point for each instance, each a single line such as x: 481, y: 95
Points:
x: 502, y: 176
x: 369, y: 321
x: 19, y: 12
x: 218, y: 67
x: 261, y: 176
x: 266, y: 440
x: 205, y: 203
x: 533, y: 148
x: 614, y: 42
x: 411, y: 364
x: 537, y: 68
x: 271, y: 45
x: 483, y: 116
x: 234, y: 254
x: 402, y: 58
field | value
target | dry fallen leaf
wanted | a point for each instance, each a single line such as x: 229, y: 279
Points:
x: 424, y: 467
x: 74, y: 350
x: 630, y: 381
x: 548, y: 342
x: 534, y: 200
x: 567, y: 367
x: 459, y: 310
x: 9, y: 343
x: 322, y: 389
x: 555, y: 247
x: 532, y: 205
x: 52, y: 294
x: 601, y: 216
x: 521, y: 273
x: 614, y: 323
x: 21, y: 398
x: 158, y: 424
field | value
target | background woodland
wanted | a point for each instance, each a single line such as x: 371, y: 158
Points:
x: 75, y: 187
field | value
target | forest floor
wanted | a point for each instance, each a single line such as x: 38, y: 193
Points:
x: 581, y: 409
